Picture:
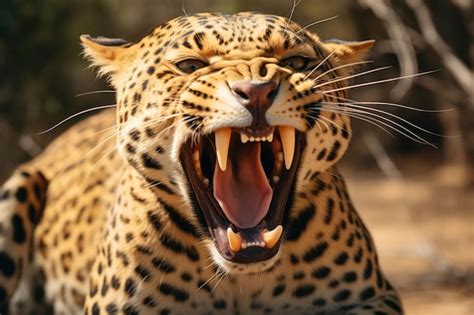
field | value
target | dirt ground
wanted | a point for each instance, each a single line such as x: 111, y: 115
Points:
x: 423, y: 226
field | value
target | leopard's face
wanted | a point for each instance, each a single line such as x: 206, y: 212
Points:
x: 235, y: 113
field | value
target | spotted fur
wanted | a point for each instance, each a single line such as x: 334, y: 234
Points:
x: 116, y: 232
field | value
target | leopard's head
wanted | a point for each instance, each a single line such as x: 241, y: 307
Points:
x: 235, y: 114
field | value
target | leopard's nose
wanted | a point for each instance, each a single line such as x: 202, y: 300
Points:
x: 257, y: 98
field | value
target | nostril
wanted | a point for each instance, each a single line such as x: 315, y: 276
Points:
x: 263, y: 71
x: 242, y: 94
x: 271, y: 96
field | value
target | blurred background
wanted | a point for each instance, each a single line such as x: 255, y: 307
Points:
x: 412, y: 182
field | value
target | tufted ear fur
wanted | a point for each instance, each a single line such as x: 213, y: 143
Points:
x: 349, y: 52
x: 112, y: 56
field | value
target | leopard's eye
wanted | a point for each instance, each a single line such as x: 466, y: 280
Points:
x: 298, y: 63
x: 191, y: 65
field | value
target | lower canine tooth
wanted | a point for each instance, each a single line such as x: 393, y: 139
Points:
x: 271, y: 237
x: 235, y: 241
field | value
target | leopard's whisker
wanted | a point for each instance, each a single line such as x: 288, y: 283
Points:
x: 381, y: 120
x: 309, y: 124
x: 214, y: 275
x: 194, y: 136
x: 95, y: 92
x: 209, y: 265
x: 360, y: 117
x: 290, y: 16
x: 75, y: 115
x: 184, y: 9
x: 316, y: 123
x: 378, y: 82
x: 319, y: 65
x: 168, y: 128
x: 352, y: 64
x: 222, y: 277
x: 99, y: 161
x: 162, y: 119
x: 286, y: 30
x: 316, y: 23
x: 319, y: 122
x: 101, y: 143
x: 351, y: 105
x: 358, y: 114
x: 316, y: 118
x: 392, y: 104
x: 332, y: 122
x: 159, y: 121
x: 293, y: 8
x: 351, y: 76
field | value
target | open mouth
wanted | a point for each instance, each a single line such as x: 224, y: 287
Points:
x: 242, y: 180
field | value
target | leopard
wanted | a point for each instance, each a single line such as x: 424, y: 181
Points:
x: 209, y: 187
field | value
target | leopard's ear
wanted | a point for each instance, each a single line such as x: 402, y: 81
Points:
x: 111, y: 56
x: 348, y: 52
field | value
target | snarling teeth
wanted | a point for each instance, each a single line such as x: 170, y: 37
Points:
x: 222, y: 137
x: 269, y: 138
x: 245, y: 138
x: 271, y: 237
x: 235, y: 241
x: 256, y: 243
x: 222, y: 146
x: 268, y: 239
x: 283, y: 151
x: 287, y: 135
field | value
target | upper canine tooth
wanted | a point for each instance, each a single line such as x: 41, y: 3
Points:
x: 235, y: 241
x: 271, y: 237
x: 244, y: 138
x: 222, y: 146
x: 287, y: 135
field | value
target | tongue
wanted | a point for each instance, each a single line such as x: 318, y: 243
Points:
x: 242, y: 190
